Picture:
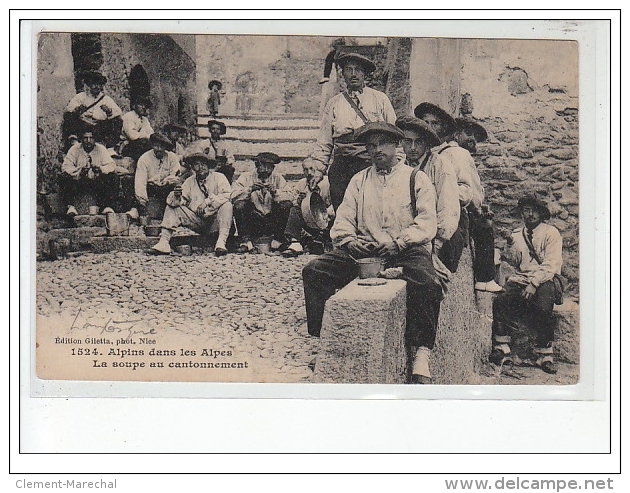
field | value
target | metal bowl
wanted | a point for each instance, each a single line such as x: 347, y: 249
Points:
x: 314, y: 211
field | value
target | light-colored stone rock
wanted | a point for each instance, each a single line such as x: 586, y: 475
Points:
x: 363, y: 335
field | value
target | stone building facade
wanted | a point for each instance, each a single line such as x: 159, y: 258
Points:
x: 158, y: 65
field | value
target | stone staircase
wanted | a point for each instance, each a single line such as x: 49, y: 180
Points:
x: 291, y: 137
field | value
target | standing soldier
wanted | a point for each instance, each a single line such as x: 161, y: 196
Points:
x: 345, y: 113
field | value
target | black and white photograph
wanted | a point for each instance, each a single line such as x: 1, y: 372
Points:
x: 307, y: 209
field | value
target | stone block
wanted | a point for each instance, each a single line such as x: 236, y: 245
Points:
x: 567, y: 335
x: 363, y: 335
x: 464, y: 331
x: 111, y: 243
x: 563, y: 154
x: 79, y: 238
x: 97, y: 221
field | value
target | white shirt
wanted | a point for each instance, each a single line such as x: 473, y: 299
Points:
x: 442, y: 175
x: 462, y: 162
x: 150, y: 169
x: 77, y: 159
x: 217, y: 188
x: 378, y: 208
x: 547, y: 244
x: 96, y: 113
x: 340, y: 118
x: 241, y: 188
x: 135, y: 127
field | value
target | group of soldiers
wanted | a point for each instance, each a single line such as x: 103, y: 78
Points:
x: 405, y: 189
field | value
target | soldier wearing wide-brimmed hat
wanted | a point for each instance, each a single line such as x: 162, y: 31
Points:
x: 136, y: 129
x: 261, y: 203
x: 202, y: 204
x: 336, y: 151
x: 419, y: 140
x: 156, y: 174
x: 216, y: 148
x: 387, y: 212
x: 93, y: 110
x: 530, y: 293
x: 461, y: 161
x: 467, y: 134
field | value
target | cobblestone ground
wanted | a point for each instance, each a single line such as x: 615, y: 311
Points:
x: 251, y: 303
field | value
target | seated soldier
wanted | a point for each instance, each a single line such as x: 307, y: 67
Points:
x: 156, y: 175
x: 296, y: 226
x: 467, y: 134
x: 202, y: 204
x: 88, y: 168
x: 136, y: 129
x: 379, y: 218
x: 177, y: 134
x: 417, y: 143
x: 216, y: 148
x: 457, y: 159
x: 93, y: 110
x: 261, y: 203
x: 536, y: 252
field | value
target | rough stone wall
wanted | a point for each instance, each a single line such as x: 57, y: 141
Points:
x: 262, y: 74
x: 397, y: 67
x: 525, y: 93
x: 55, y: 87
x: 170, y: 70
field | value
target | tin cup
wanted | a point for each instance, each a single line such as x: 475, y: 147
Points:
x: 185, y: 250
x: 93, y: 210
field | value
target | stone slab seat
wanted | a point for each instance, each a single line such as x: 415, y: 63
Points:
x: 363, y: 335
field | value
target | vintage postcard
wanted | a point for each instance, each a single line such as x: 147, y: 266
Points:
x: 198, y: 217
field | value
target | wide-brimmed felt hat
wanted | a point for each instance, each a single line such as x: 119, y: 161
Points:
x: 417, y: 125
x: 365, y: 62
x: 199, y: 157
x: 469, y: 125
x: 267, y: 157
x: 158, y: 137
x: 217, y: 122
x: 213, y: 82
x: 448, y: 122
x: 94, y: 77
x: 362, y: 133
x: 539, y: 204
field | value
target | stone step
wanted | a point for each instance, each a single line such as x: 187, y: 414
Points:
x: 266, y: 135
x: 286, y: 150
x: 283, y: 121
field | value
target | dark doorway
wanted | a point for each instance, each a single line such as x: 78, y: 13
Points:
x: 138, y: 84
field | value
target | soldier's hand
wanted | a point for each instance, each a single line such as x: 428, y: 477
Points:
x: 107, y: 110
x: 386, y: 249
x: 201, y: 210
x: 315, y: 179
x: 359, y: 247
x: 529, y: 292
x: 256, y: 186
x: 80, y: 109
